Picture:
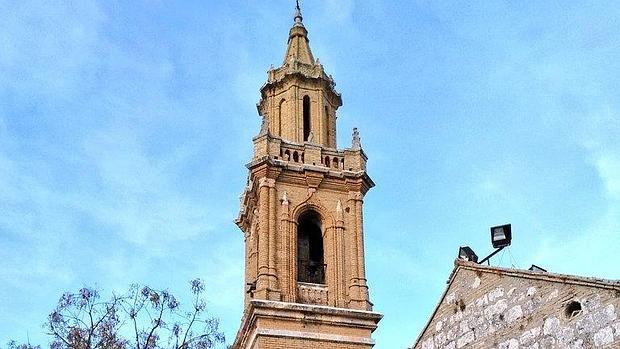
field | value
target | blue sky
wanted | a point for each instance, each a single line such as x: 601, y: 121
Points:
x: 125, y: 127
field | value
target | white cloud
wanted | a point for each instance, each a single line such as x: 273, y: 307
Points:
x: 45, y: 46
x: 592, y: 253
x: 135, y: 192
x: 608, y: 166
x: 340, y: 10
x: 87, y: 191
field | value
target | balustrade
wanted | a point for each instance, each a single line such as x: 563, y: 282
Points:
x: 312, y: 293
x: 296, y: 154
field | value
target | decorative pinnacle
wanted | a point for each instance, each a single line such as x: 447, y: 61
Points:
x: 339, y: 214
x: 285, y: 199
x: 356, y: 143
x: 264, y: 127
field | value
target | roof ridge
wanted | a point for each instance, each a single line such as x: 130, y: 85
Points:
x: 548, y: 276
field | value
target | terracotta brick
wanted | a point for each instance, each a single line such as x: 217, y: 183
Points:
x: 296, y: 169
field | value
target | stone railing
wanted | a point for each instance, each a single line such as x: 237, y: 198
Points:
x: 309, y: 154
x: 311, y: 293
x: 296, y: 153
x: 292, y: 152
x: 332, y: 159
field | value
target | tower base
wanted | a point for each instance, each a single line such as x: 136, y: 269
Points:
x: 272, y: 324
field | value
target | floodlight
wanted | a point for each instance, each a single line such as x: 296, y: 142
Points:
x: 466, y: 253
x: 537, y: 269
x: 501, y: 236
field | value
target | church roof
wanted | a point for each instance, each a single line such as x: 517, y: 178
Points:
x: 465, y: 269
x: 528, y: 274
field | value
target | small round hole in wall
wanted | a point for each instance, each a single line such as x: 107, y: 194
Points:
x: 572, y: 309
x: 461, y: 305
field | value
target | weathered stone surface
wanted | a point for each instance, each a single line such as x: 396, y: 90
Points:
x: 488, y: 307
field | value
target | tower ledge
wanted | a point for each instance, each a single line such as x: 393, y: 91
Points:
x: 313, y: 71
x: 265, y: 323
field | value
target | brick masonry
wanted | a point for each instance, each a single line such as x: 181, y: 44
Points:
x: 297, y: 171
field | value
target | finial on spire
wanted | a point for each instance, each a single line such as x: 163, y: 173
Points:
x: 298, y: 17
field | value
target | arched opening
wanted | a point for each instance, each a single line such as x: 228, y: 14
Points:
x: 327, y: 161
x: 306, y: 114
x: 335, y: 162
x: 310, y: 266
x: 295, y: 156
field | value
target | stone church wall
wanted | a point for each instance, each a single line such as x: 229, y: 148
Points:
x: 498, y: 308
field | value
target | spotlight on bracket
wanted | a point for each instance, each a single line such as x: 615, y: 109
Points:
x: 466, y: 253
x: 501, y: 236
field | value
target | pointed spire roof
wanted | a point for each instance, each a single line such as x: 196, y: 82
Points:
x: 298, y: 43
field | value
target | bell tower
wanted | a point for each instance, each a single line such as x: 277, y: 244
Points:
x: 301, y: 215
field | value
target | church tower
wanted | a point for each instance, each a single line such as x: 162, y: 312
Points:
x: 301, y: 215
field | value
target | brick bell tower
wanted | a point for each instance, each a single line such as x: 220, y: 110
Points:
x: 301, y: 215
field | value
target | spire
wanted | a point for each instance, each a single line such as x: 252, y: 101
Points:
x: 298, y: 44
x: 298, y: 17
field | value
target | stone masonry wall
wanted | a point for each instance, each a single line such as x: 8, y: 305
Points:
x: 499, y: 310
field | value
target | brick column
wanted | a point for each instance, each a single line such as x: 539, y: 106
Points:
x: 358, y: 291
x: 360, y: 250
x: 273, y: 276
x: 263, y: 241
x: 340, y: 291
x: 285, y: 246
x: 351, y: 250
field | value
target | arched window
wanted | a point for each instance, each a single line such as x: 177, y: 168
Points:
x: 310, y: 266
x: 306, y: 112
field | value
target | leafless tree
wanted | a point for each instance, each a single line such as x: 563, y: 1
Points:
x: 14, y: 345
x: 143, y: 318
